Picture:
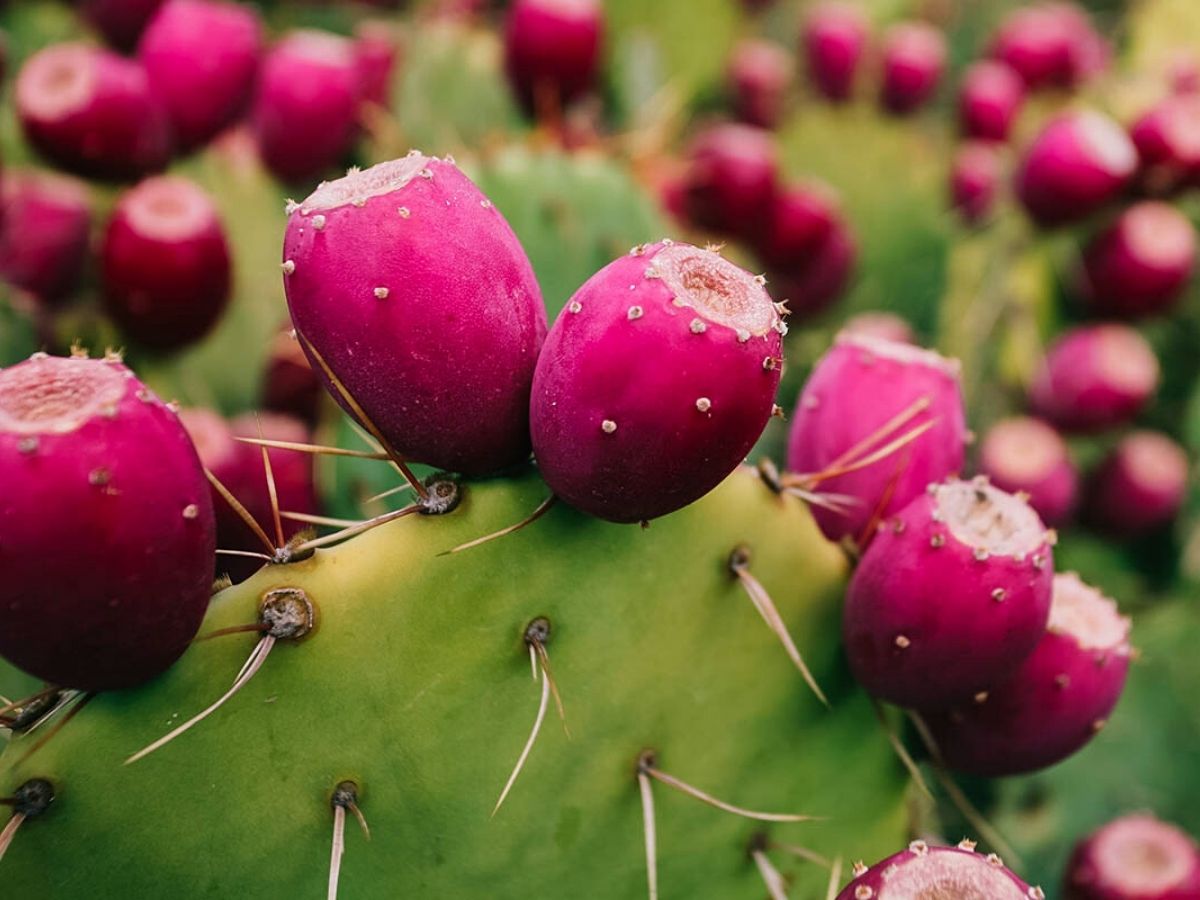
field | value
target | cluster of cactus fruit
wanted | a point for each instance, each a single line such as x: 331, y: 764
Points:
x: 230, y: 673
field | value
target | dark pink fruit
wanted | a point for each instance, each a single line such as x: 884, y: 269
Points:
x: 1023, y: 455
x: 413, y: 289
x: 1135, y: 857
x: 731, y: 176
x: 290, y: 386
x: 989, y: 100
x: 655, y: 382
x: 1140, y: 264
x: 1050, y: 45
x: 201, y: 57
x: 120, y: 21
x: 1167, y: 138
x: 44, y: 236
x: 938, y: 873
x: 811, y: 283
x: 881, y: 325
x: 165, y: 263
x: 552, y: 49
x: 1057, y: 701
x: 914, y: 57
x: 759, y: 74
x: 1095, y: 377
x: 106, y: 530
x: 975, y: 176
x: 798, y: 221
x: 376, y: 47
x: 833, y: 40
x: 1078, y: 163
x: 92, y: 112
x: 863, y: 395
x: 1140, y: 486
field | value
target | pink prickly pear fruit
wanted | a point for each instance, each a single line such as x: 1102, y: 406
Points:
x: 305, y: 109
x: 376, y: 48
x: 731, y: 178
x: 1140, y: 264
x: 165, y: 262
x: 1050, y: 45
x: 201, y: 57
x: 1140, y: 486
x: 975, y: 176
x: 1135, y: 857
x: 121, y: 22
x: 1023, y: 455
x: 833, y: 39
x: 884, y: 326
x: 1058, y: 700
x: 91, y: 112
x: 289, y: 385
x: 1183, y: 73
x: 799, y: 219
x: 914, y: 57
x: 759, y: 74
x: 1095, y: 377
x: 989, y: 101
x: 44, y: 235
x: 811, y: 283
x: 923, y: 871
x: 86, y: 436
x: 552, y: 50
x: 1167, y: 138
x: 655, y: 382
x: 864, y: 395
x: 1078, y: 163
x: 413, y: 290
x: 952, y: 595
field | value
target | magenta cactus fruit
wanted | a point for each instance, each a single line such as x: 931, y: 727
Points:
x: 881, y: 325
x: 989, y: 101
x: 92, y: 112
x: 165, y: 263
x: 1023, y: 455
x: 975, y: 175
x: 1057, y: 701
x: 86, y: 436
x: 952, y: 595
x: 655, y: 382
x: 1050, y: 45
x: 833, y: 40
x: 1078, y: 163
x: 201, y: 57
x: 305, y: 109
x: 731, y: 178
x: 923, y: 871
x: 44, y: 235
x: 864, y: 395
x: 1095, y: 377
x: 914, y: 57
x: 1140, y: 486
x: 376, y: 47
x: 798, y: 221
x: 121, y: 22
x: 411, y: 288
x: 1167, y: 138
x: 759, y: 74
x: 1140, y: 264
x: 552, y: 50
x: 1135, y: 857
x: 812, y: 282
x: 289, y: 384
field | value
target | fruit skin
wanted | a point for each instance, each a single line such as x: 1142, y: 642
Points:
x: 166, y: 277
x: 1025, y: 455
x: 914, y: 57
x: 1141, y: 263
x: 989, y: 100
x: 812, y: 284
x: 974, y: 180
x: 120, y: 21
x: 1167, y: 138
x: 376, y: 49
x: 932, y: 619
x: 1140, y: 486
x: 552, y: 47
x: 1056, y: 702
x: 1172, y: 862
x: 116, y: 128
x: 44, y: 235
x: 201, y: 57
x: 957, y: 871
x: 110, y: 595
x: 832, y: 44
x: 423, y: 304
x: 856, y: 388
x: 731, y: 178
x: 759, y: 75
x: 1051, y: 45
x: 799, y: 220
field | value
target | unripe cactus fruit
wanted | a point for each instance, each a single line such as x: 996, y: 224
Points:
x: 951, y: 596
x: 1095, y: 377
x: 111, y: 593
x: 165, y: 263
x: 655, y: 382
x: 954, y: 873
x: 121, y: 22
x: 864, y: 395
x: 44, y: 235
x: 1135, y: 857
x: 832, y: 44
x: 1140, y: 486
x: 201, y: 57
x: 414, y: 292
x: 759, y: 74
x: 914, y: 57
x: 974, y: 179
x: 552, y: 49
x: 1025, y: 455
x: 1057, y: 701
x: 731, y: 178
x: 1167, y: 138
x: 989, y: 100
x: 92, y: 112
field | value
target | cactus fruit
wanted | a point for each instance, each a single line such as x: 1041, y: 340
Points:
x: 954, y: 873
x: 1135, y: 857
x: 759, y: 74
x: 914, y: 57
x: 376, y: 48
x: 833, y: 41
x: 44, y: 233
x: 812, y: 283
x: 655, y: 382
x: 110, y: 594
x: 950, y: 597
x: 1167, y: 138
x: 975, y: 175
x: 289, y: 384
x: 730, y: 182
x: 121, y: 22
x: 407, y: 283
x: 798, y: 221
x: 1025, y: 455
x: 552, y: 49
x: 884, y: 326
x: 1140, y: 485
x: 989, y: 101
x: 1050, y: 45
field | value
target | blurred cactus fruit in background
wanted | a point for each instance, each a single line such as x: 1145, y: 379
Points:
x: 120, y: 22
x: 884, y: 326
x: 798, y: 221
x: 1050, y: 45
x: 812, y: 282
x: 731, y: 178
x: 914, y: 58
x: 833, y: 40
x: 289, y: 385
x: 44, y: 233
x: 1167, y: 137
x: 975, y: 177
x: 1134, y: 857
x: 92, y: 113
x: 936, y: 872
x: 1026, y: 456
x: 552, y: 50
x: 1140, y: 486
x: 759, y: 75
x: 111, y: 594
x: 376, y: 49
x: 166, y: 264
x: 990, y: 99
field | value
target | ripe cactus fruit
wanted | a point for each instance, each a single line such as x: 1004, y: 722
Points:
x: 411, y: 288
x: 1025, y: 455
x: 121, y: 22
x: 655, y: 382
x: 1077, y: 164
x: 166, y: 263
x: 1050, y: 45
x: 289, y: 384
x: 201, y: 57
x: 798, y: 221
x: 730, y: 182
x: 989, y: 100
x: 1141, y: 263
x: 1135, y: 857
x: 1140, y: 486
x: 1057, y: 701
x: 935, y: 872
x: 811, y: 283
x: 1095, y: 377
x: 85, y: 436
x: 44, y: 234
x: 866, y: 395
x: 833, y: 40
x: 952, y: 595
x: 376, y: 47
x: 974, y: 178
x: 885, y: 326
x: 552, y: 50
x: 914, y: 57
x: 759, y: 74
x: 1167, y: 138
x: 92, y: 113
